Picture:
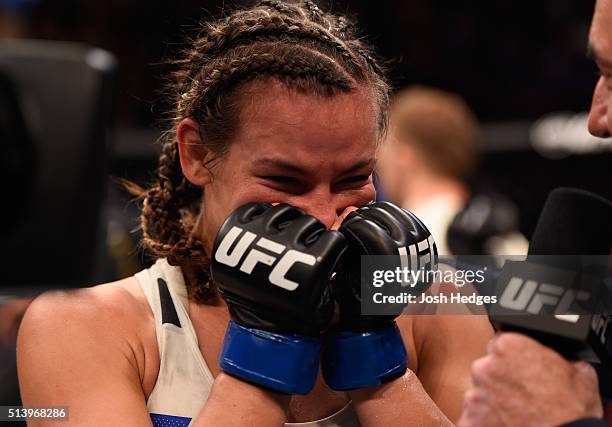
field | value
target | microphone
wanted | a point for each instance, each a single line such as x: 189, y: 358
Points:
x: 564, y: 279
x: 573, y: 222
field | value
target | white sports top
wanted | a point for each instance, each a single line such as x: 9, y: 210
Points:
x: 184, y: 380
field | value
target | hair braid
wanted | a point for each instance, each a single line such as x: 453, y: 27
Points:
x: 163, y: 203
x: 219, y: 76
x: 258, y: 24
x: 281, y: 7
x: 314, y: 10
x: 164, y: 231
x: 343, y: 25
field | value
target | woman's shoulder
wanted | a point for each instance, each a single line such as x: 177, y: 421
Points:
x: 109, y: 303
x: 86, y: 348
x: 111, y: 322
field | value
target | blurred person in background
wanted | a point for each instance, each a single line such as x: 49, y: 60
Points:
x: 430, y: 153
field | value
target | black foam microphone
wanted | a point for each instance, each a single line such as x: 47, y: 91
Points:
x: 573, y: 222
x: 562, y: 271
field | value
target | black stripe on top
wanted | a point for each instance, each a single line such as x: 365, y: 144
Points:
x: 168, y: 310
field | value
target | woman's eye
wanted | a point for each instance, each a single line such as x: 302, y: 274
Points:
x: 283, y: 180
x: 357, y: 179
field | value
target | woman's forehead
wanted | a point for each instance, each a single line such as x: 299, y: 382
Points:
x: 313, y: 164
x: 278, y: 118
x: 270, y: 101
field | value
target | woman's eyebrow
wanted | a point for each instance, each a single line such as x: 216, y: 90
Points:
x: 285, y: 166
x: 279, y: 164
x: 360, y: 165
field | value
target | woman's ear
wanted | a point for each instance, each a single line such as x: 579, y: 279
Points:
x: 193, y: 153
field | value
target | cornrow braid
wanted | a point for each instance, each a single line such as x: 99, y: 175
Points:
x: 343, y: 25
x: 219, y: 76
x: 366, y: 53
x: 314, y: 10
x: 293, y: 41
x: 280, y: 6
x: 259, y: 24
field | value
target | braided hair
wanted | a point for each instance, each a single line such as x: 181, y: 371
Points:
x: 309, y: 50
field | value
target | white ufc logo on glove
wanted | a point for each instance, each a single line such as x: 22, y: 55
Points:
x: 277, y: 275
x: 422, y: 252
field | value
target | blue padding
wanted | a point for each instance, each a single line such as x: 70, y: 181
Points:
x: 282, y: 362
x: 363, y: 359
x: 162, y: 420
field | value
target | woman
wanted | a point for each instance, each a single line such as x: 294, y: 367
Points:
x: 277, y: 103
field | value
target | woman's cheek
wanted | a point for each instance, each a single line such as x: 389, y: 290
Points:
x: 258, y: 194
x: 363, y: 196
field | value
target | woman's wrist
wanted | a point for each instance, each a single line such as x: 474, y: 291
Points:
x: 406, y: 381
x: 239, y: 403
x: 252, y: 394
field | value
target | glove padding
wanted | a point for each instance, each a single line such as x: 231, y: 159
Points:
x: 378, y: 229
x: 368, y: 350
x: 272, y: 266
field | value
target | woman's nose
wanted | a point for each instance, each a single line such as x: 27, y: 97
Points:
x: 324, y: 207
x: 326, y: 214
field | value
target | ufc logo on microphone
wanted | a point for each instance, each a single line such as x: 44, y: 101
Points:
x: 254, y: 256
x: 531, y: 296
x: 599, y: 325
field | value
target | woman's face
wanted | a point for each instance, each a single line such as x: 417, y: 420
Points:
x: 314, y: 153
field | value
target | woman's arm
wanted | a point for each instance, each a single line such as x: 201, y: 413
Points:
x: 400, y: 402
x: 238, y: 403
x: 446, y: 346
x: 74, y: 349
x: 80, y: 349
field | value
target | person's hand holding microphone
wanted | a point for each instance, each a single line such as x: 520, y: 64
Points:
x: 520, y: 382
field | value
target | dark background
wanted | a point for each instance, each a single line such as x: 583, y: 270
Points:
x: 510, y: 59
